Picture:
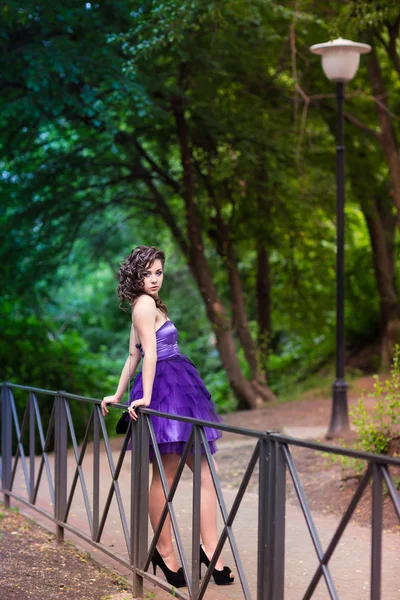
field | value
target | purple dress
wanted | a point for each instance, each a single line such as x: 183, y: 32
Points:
x: 177, y: 389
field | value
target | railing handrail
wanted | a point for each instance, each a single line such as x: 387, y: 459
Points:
x: 149, y: 411
x: 329, y: 448
x: 259, y: 434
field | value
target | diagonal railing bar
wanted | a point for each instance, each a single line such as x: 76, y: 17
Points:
x: 394, y: 494
x: 310, y: 522
x: 79, y: 456
x: 44, y: 442
x: 171, y: 510
x: 19, y: 453
x: 339, y: 531
x: 114, y: 487
x: 169, y: 497
x: 114, y: 476
x: 225, y: 517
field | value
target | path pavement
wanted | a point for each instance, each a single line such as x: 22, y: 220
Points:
x: 349, y: 566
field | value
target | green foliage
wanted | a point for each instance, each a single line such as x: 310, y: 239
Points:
x: 33, y: 352
x: 376, y: 430
x: 85, y: 84
x: 363, y: 16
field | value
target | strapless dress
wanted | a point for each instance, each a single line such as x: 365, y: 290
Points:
x: 178, y: 389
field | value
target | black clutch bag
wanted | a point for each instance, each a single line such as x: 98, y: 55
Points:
x: 123, y: 423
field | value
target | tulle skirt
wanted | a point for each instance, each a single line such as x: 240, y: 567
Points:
x: 178, y: 389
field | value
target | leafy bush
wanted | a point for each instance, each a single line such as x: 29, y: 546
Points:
x: 376, y: 431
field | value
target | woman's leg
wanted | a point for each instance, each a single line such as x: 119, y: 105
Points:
x: 156, y: 505
x: 208, y: 510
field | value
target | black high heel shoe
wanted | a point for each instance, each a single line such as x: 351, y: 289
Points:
x: 175, y: 578
x: 220, y: 577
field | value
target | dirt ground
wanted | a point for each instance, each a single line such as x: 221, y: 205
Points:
x: 34, y: 567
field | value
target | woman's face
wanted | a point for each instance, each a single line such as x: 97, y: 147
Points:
x: 153, y: 278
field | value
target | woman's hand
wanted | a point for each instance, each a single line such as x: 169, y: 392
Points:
x: 134, y: 404
x: 109, y: 400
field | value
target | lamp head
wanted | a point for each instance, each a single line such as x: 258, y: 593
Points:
x: 340, y: 58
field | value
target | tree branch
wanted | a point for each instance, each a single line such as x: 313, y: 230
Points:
x: 391, y: 48
x: 167, y: 214
x: 352, y: 119
x: 168, y: 179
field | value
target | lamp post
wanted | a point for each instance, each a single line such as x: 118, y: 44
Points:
x: 340, y: 61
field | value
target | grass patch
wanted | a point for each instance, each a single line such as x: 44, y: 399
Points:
x: 317, y: 385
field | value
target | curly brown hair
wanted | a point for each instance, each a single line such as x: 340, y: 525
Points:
x: 130, y: 275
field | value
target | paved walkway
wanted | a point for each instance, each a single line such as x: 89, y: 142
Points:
x: 349, y: 566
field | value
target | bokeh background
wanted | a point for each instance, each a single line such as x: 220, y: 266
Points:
x: 207, y: 129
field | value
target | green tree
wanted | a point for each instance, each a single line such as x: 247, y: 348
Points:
x: 187, y: 116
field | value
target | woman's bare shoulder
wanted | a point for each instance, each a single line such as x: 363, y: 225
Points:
x: 144, y: 307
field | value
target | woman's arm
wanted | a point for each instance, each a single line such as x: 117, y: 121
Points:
x: 145, y: 315
x: 127, y: 373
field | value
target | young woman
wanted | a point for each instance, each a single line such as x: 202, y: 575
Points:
x: 170, y: 383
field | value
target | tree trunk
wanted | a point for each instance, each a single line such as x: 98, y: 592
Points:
x: 221, y: 236
x: 382, y: 232
x: 200, y: 269
x: 381, y: 222
x: 387, y: 137
x: 263, y: 286
x: 239, y: 313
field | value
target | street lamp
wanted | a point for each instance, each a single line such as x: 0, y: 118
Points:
x: 340, y: 61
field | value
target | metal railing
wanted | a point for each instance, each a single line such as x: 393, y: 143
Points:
x: 271, y: 453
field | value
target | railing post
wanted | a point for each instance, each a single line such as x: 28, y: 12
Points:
x: 31, y: 447
x: 196, y: 507
x: 262, y: 581
x: 6, y: 443
x: 60, y: 462
x: 277, y: 573
x: 139, y: 500
x: 271, y: 521
x: 96, y: 470
x: 376, y: 542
